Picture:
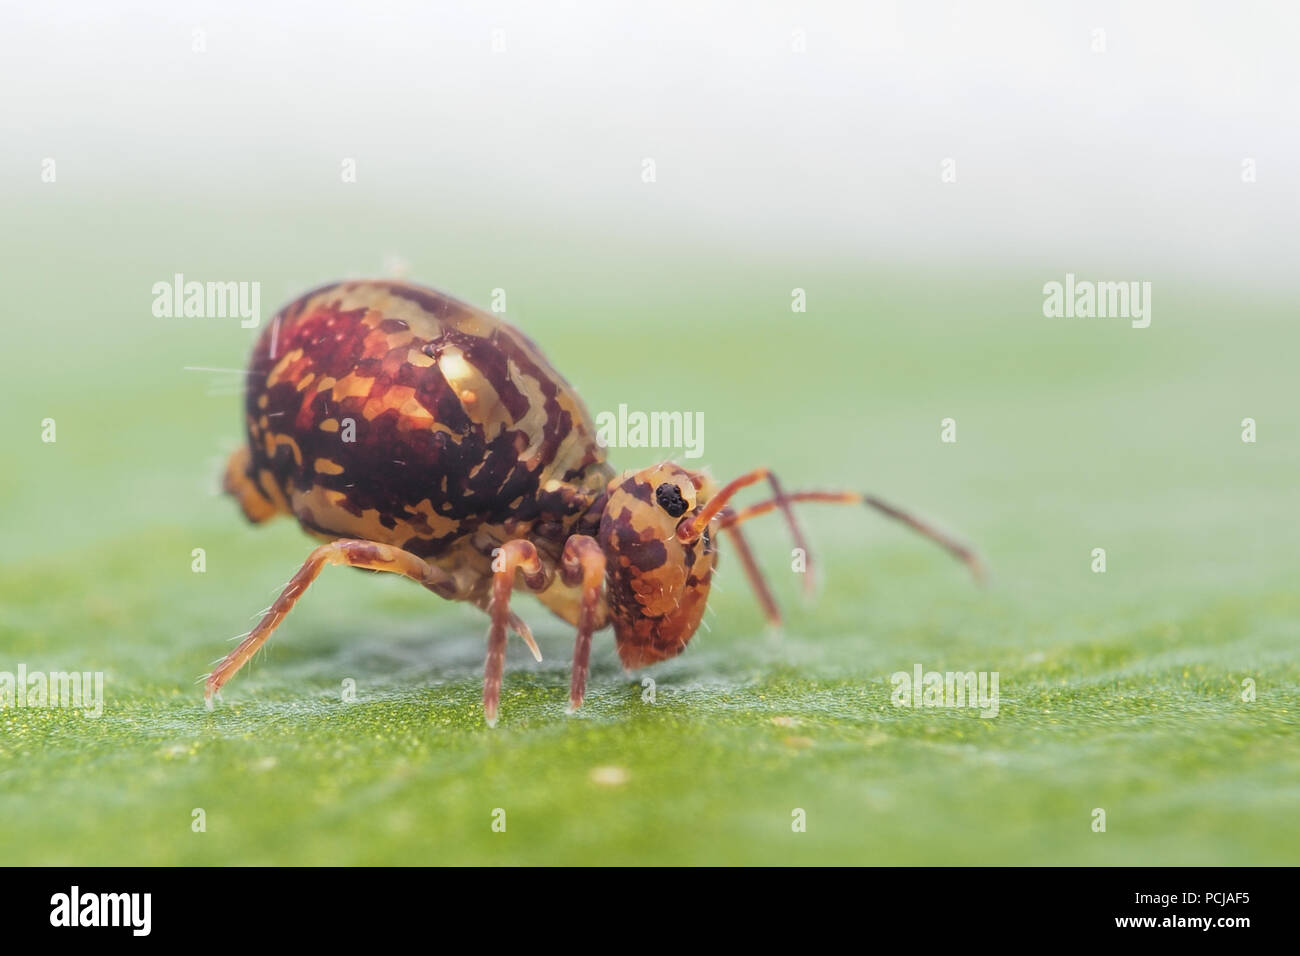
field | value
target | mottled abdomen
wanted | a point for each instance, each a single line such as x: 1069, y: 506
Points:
x: 387, y: 411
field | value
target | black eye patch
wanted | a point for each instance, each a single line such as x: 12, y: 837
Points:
x: 671, y: 500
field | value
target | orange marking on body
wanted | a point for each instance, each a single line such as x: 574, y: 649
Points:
x: 326, y: 467
x: 393, y: 397
x: 256, y: 506
x: 266, y: 481
x: 375, y: 345
x: 392, y: 364
x: 378, y: 343
x: 418, y: 359
x: 288, y: 359
x: 322, y: 507
x: 352, y: 385
x: 414, y: 416
x: 475, y: 392
x: 533, y: 423
x: 274, y: 441
x: 430, y: 524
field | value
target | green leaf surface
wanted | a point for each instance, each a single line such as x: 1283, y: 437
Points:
x: 1121, y: 691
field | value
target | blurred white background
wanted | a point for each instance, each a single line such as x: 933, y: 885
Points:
x: 1128, y: 159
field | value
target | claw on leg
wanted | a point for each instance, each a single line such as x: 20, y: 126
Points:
x: 517, y: 625
x: 526, y: 635
x: 513, y: 556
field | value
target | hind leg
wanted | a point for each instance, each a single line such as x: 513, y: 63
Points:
x: 350, y: 551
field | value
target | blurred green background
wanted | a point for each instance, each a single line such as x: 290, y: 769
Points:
x: 1119, y: 690
x: 794, y: 147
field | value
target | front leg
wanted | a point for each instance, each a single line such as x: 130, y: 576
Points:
x: 583, y: 564
x: 518, y: 555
